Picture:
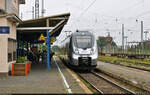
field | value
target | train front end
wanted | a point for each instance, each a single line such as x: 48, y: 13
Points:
x: 85, y: 51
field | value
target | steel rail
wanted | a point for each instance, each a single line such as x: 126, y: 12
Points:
x: 113, y: 83
x: 105, y: 79
x: 94, y: 87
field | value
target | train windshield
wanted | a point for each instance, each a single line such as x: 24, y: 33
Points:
x: 83, y: 41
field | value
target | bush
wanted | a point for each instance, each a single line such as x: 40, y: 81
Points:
x: 117, y: 62
x: 21, y: 60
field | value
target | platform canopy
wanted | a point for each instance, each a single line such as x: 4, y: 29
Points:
x: 30, y: 30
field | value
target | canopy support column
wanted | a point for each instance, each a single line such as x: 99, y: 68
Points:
x: 48, y: 46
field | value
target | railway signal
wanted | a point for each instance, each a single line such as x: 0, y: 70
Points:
x: 146, y: 32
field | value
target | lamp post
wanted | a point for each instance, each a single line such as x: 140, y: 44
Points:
x: 122, y: 38
x: 126, y: 37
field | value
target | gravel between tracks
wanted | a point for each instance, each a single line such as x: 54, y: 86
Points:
x: 101, y: 84
x: 137, y: 77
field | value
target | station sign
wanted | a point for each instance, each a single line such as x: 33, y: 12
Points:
x: 41, y: 38
x: 4, y: 29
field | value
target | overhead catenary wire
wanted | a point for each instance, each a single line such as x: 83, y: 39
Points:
x: 84, y: 11
x: 109, y: 17
x: 131, y: 7
x: 141, y: 14
x: 80, y: 16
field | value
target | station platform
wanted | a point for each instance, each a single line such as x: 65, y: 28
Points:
x: 136, y: 77
x: 42, y: 81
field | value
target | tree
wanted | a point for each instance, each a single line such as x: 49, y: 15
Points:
x: 101, y: 42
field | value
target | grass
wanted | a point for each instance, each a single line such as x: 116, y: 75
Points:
x: 144, y: 61
x: 140, y: 63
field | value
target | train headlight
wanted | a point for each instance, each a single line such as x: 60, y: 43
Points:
x: 93, y: 50
x: 76, y: 51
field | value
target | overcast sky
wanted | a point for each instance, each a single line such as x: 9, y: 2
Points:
x: 101, y: 17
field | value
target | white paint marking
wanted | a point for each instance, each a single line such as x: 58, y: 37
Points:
x: 78, y: 80
x: 134, y: 82
x: 64, y: 79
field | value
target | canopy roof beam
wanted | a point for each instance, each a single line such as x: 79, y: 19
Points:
x: 35, y: 28
x: 60, y: 23
x: 59, y: 18
x: 41, y: 28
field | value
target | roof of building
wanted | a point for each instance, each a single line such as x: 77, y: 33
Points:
x: 12, y: 17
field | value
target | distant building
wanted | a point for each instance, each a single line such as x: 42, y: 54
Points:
x: 9, y: 12
x: 107, y: 45
x: 10, y: 6
x: 147, y: 42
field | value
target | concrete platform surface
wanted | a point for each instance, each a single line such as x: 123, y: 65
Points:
x: 40, y: 80
x: 136, y: 76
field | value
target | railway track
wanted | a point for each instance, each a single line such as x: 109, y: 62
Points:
x: 137, y: 56
x: 133, y: 67
x: 103, y: 85
x: 115, y: 86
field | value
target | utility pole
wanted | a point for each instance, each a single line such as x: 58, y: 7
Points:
x: 142, y: 47
x: 42, y: 10
x: 122, y: 38
x: 36, y: 9
x: 125, y: 37
x: 146, y: 32
x: 108, y: 34
x: 32, y: 12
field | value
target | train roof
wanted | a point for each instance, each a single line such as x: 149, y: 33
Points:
x: 82, y: 33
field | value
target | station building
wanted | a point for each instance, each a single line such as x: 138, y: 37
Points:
x: 9, y: 12
x: 14, y: 32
